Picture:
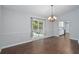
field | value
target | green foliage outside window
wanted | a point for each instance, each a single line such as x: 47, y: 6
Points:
x: 37, y: 24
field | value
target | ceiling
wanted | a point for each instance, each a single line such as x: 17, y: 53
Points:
x: 43, y: 10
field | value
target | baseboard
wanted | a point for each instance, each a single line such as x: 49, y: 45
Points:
x: 32, y: 39
x: 15, y: 44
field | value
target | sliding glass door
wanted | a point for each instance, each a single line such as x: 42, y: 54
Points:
x: 37, y: 28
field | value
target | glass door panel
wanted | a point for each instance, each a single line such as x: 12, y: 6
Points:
x: 37, y: 28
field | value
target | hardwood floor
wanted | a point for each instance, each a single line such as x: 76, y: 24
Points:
x: 51, y: 45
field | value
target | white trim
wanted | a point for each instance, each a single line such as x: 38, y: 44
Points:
x: 33, y: 39
x: 16, y: 44
x: 75, y: 39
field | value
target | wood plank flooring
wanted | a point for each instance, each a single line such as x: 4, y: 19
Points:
x: 51, y: 45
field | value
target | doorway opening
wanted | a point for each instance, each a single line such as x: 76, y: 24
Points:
x: 63, y: 27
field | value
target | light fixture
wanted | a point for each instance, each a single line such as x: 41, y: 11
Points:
x: 52, y: 18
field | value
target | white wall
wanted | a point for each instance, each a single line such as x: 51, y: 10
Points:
x: 0, y: 24
x: 0, y: 19
x: 49, y: 28
x: 17, y: 28
x: 73, y: 17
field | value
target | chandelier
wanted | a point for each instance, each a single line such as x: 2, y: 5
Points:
x: 52, y: 18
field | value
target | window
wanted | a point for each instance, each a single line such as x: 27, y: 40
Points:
x: 37, y: 27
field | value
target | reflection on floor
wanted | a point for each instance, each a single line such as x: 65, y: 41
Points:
x: 51, y: 45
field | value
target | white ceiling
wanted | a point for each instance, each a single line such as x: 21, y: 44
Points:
x: 43, y: 10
